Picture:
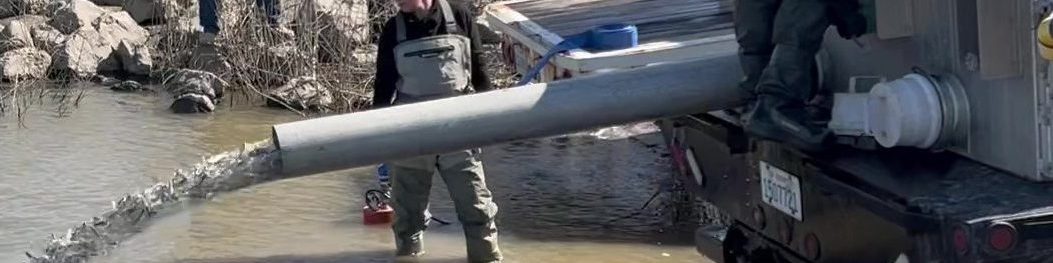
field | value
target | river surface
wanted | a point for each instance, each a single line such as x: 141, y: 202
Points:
x: 573, y: 198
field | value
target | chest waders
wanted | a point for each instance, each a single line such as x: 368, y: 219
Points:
x: 430, y: 68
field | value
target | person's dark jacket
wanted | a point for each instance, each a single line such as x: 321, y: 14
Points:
x: 387, y: 73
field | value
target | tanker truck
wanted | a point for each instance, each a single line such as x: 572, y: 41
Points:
x: 942, y: 114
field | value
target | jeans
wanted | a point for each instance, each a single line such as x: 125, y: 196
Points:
x: 209, y: 17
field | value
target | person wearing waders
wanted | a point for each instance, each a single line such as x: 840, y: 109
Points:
x: 429, y: 50
x: 778, y: 41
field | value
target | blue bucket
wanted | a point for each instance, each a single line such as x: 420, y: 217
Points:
x: 613, y: 36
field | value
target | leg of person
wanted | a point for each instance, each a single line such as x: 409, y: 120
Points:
x: 411, y: 185
x: 780, y: 112
x: 753, y: 30
x: 271, y: 9
x: 463, y: 173
x: 209, y: 19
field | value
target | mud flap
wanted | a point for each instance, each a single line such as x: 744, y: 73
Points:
x: 709, y: 241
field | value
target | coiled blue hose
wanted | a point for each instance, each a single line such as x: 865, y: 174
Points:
x: 602, y: 38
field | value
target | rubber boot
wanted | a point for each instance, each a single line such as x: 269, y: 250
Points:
x: 408, y: 249
x: 782, y: 120
x: 780, y: 113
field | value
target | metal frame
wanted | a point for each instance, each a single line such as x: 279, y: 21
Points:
x: 857, y: 213
x: 537, y: 40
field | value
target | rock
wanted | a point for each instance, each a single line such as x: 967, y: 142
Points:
x: 129, y: 86
x: 207, y: 58
x: 71, y: 15
x: 303, y: 93
x: 10, y: 8
x: 119, y: 26
x: 24, y: 63
x: 172, y: 43
x: 156, y: 10
x: 47, y: 38
x: 134, y: 59
x: 193, y: 103
x: 341, y: 25
x: 82, y: 53
x: 194, y: 90
x: 108, y: 2
x: 14, y: 36
x: 104, y: 80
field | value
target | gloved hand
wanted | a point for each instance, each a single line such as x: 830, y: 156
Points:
x: 846, y: 16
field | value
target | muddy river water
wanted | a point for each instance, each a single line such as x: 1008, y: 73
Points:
x: 574, y: 198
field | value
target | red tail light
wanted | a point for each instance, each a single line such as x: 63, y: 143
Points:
x: 961, y: 240
x: 1001, y: 236
x: 812, y: 248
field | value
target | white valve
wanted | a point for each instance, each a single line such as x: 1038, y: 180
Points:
x: 902, y: 112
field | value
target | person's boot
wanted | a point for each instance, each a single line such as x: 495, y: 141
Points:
x: 408, y: 249
x: 783, y: 121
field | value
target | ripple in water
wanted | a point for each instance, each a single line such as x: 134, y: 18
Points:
x: 256, y: 163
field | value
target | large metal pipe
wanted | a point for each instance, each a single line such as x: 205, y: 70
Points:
x: 530, y: 111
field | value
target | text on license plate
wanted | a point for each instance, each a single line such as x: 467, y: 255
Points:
x: 781, y: 190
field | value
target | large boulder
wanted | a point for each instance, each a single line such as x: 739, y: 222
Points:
x: 15, y: 35
x: 208, y: 58
x: 194, y: 90
x: 134, y: 59
x: 108, y: 2
x: 340, y: 24
x: 303, y: 93
x: 158, y: 10
x: 24, y: 63
x: 47, y: 38
x: 119, y: 26
x: 71, y: 15
x: 10, y: 8
x: 82, y: 53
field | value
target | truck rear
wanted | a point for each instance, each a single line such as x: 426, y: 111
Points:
x: 942, y: 113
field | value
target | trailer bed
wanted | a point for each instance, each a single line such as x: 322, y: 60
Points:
x: 661, y: 20
x: 668, y: 30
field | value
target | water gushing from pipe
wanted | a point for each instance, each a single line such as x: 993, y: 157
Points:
x: 255, y: 163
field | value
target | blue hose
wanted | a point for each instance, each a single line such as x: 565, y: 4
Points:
x: 602, y: 38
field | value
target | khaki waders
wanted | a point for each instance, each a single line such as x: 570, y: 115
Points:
x: 431, y: 68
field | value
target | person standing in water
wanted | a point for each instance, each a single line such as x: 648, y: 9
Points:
x: 430, y: 50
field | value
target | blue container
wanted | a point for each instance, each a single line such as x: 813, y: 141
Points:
x: 614, y: 36
x: 383, y: 175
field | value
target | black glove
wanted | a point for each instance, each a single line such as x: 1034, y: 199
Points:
x: 845, y: 15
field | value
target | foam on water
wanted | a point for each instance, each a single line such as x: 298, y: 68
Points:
x: 624, y: 131
x: 256, y: 163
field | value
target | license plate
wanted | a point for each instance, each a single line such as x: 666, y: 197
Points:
x: 781, y: 190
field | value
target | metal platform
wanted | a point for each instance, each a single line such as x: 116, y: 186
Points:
x: 657, y: 21
x: 669, y: 30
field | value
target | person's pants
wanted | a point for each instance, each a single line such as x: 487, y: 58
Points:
x: 208, y: 14
x: 463, y: 173
x: 778, y: 40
